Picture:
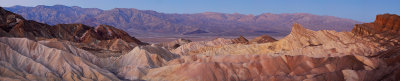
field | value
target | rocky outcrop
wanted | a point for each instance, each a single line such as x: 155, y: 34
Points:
x: 263, y: 39
x: 385, y: 23
x: 384, y: 30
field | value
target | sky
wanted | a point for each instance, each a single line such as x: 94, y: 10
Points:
x: 360, y: 10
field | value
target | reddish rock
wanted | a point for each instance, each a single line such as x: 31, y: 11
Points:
x: 385, y: 23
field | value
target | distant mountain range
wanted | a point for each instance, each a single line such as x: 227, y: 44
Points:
x: 151, y: 23
x: 33, y: 51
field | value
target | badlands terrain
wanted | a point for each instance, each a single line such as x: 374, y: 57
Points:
x: 31, y: 51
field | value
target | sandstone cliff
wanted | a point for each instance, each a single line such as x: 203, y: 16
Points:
x: 385, y: 23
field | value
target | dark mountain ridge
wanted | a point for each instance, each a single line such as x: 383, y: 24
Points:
x: 14, y: 25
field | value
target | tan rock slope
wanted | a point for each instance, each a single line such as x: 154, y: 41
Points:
x: 24, y: 59
x: 60, y: 58
x: 274, y: 68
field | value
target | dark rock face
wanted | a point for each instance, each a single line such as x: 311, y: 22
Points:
x: 145, y: 22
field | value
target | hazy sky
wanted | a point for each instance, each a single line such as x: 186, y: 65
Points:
x: 361, y: 10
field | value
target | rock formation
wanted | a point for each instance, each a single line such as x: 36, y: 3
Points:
x: 385, y: 23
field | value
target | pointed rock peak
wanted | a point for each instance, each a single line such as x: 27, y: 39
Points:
x: 297, y: 28
x: 240, y: 40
